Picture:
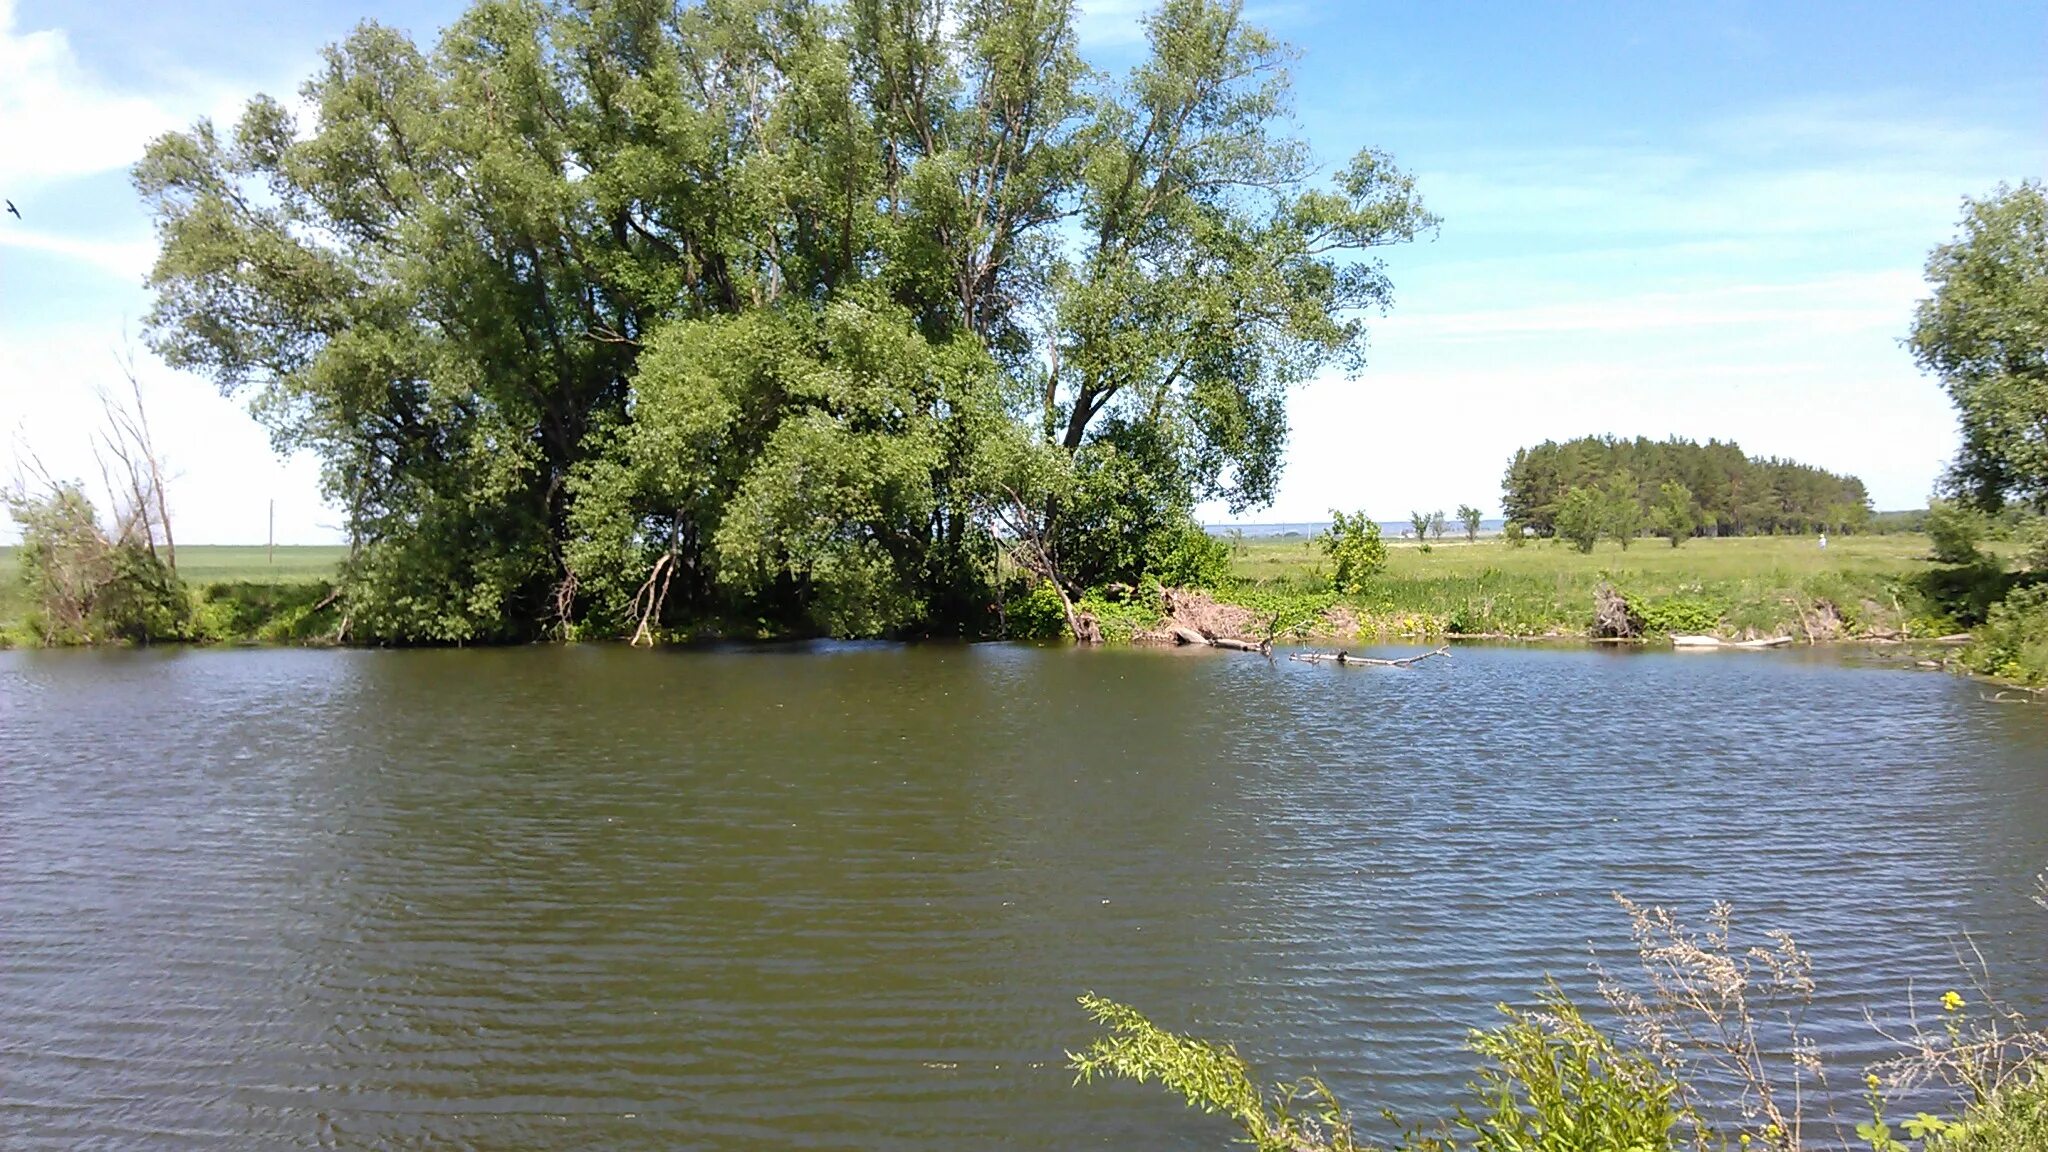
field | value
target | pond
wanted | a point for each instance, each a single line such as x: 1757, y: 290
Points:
x: 838, y: 896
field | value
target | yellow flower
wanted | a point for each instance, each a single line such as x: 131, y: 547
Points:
x: 1871, y: 1080
x: 1950, y: 1002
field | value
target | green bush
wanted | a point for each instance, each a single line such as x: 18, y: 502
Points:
x: 1353, y: 543
x: 1037, y: 614
x: 1121, y: 619
x: 142, y: 600
x: 1186, y: 556
x: 272, y: 612
x: 84, y: 587
x: 2012, y: 643
x: 1956, y: 533
x: 2011, y: 1118
x: 1681, y: 615
x: 1550, y: 1082
x: 1581, y: 518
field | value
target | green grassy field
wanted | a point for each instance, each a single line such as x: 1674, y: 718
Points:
x: 1741, y: 586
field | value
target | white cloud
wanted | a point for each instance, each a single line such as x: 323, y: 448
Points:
x: 129, y: 260
x: 58, y: 120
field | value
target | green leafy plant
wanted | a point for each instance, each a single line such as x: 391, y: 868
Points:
x: 1299, y: 1117
x: 1354, y: 546
x: 1680, y: 615
x: 2012, y: 643
x: 1553, y: 1082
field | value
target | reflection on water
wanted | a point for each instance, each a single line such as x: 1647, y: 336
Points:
x: 843, y: 896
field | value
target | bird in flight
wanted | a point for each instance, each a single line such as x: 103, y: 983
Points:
x: 12, y: 209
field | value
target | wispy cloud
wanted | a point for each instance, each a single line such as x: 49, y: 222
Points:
x: 58, y: 120
x: 126, y: 259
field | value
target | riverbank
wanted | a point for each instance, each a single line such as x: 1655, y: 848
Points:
x: 1857, y: 588
x: 1876, y: 589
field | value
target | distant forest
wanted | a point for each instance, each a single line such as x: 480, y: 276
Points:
x: 1732, y: 494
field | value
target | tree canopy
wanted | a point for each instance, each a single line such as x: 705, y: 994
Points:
x: 1727, y: 492
x: 1984, y: 333
x: 626, y: 314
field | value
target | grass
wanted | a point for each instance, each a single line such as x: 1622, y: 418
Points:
x: 1735, y: 586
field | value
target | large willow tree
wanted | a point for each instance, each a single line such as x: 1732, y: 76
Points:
x: 617, y: 313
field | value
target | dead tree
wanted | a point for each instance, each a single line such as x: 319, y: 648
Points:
x: 1030, y: 547
x: 1613, y: 617
x: 129, y: 460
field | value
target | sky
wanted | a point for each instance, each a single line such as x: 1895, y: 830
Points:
x: 1704, y: 220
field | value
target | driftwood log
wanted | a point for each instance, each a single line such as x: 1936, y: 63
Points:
x: 1696, y: 642
x: 1346, y: 659
x: 1185, y: 635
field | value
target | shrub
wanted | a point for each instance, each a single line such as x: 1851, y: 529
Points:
x: 82, y: 586
x: 2012, y: 643
x: 1682, y: 615
x: 1120, y: 620
x: 1353, y: 543
x: 1551, y: 1082
x: 1956, y: 533
x: 1037, y: 614
x: 1554, y: 1083
x: 2013, y: 1116
x: 1186, y: 556
x: 143, y: 600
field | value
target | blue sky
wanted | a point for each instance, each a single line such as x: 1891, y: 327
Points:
x: 1703, y: 220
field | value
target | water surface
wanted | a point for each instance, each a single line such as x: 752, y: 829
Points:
x: 844, y: 896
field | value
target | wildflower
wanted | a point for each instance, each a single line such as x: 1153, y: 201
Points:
x: 1871, y: 1080
x: 1950, y: 1002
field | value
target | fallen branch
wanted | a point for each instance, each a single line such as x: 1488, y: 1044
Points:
x: 1185, y: 635
x: 1346, y: 659
x: 648, y: 601
x: 1717, y: 642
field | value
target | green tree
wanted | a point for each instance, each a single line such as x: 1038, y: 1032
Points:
x: 1736, y: 494
x: 1419, y: 523
x: 1675, y: 514
x: 1623, y: 511
x: 1471, y: 517
x: 1436, y: 524
x: 1581, y: 518
x: 606, y: 318
x: 1354, y: 546
x: 1984, y: 334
